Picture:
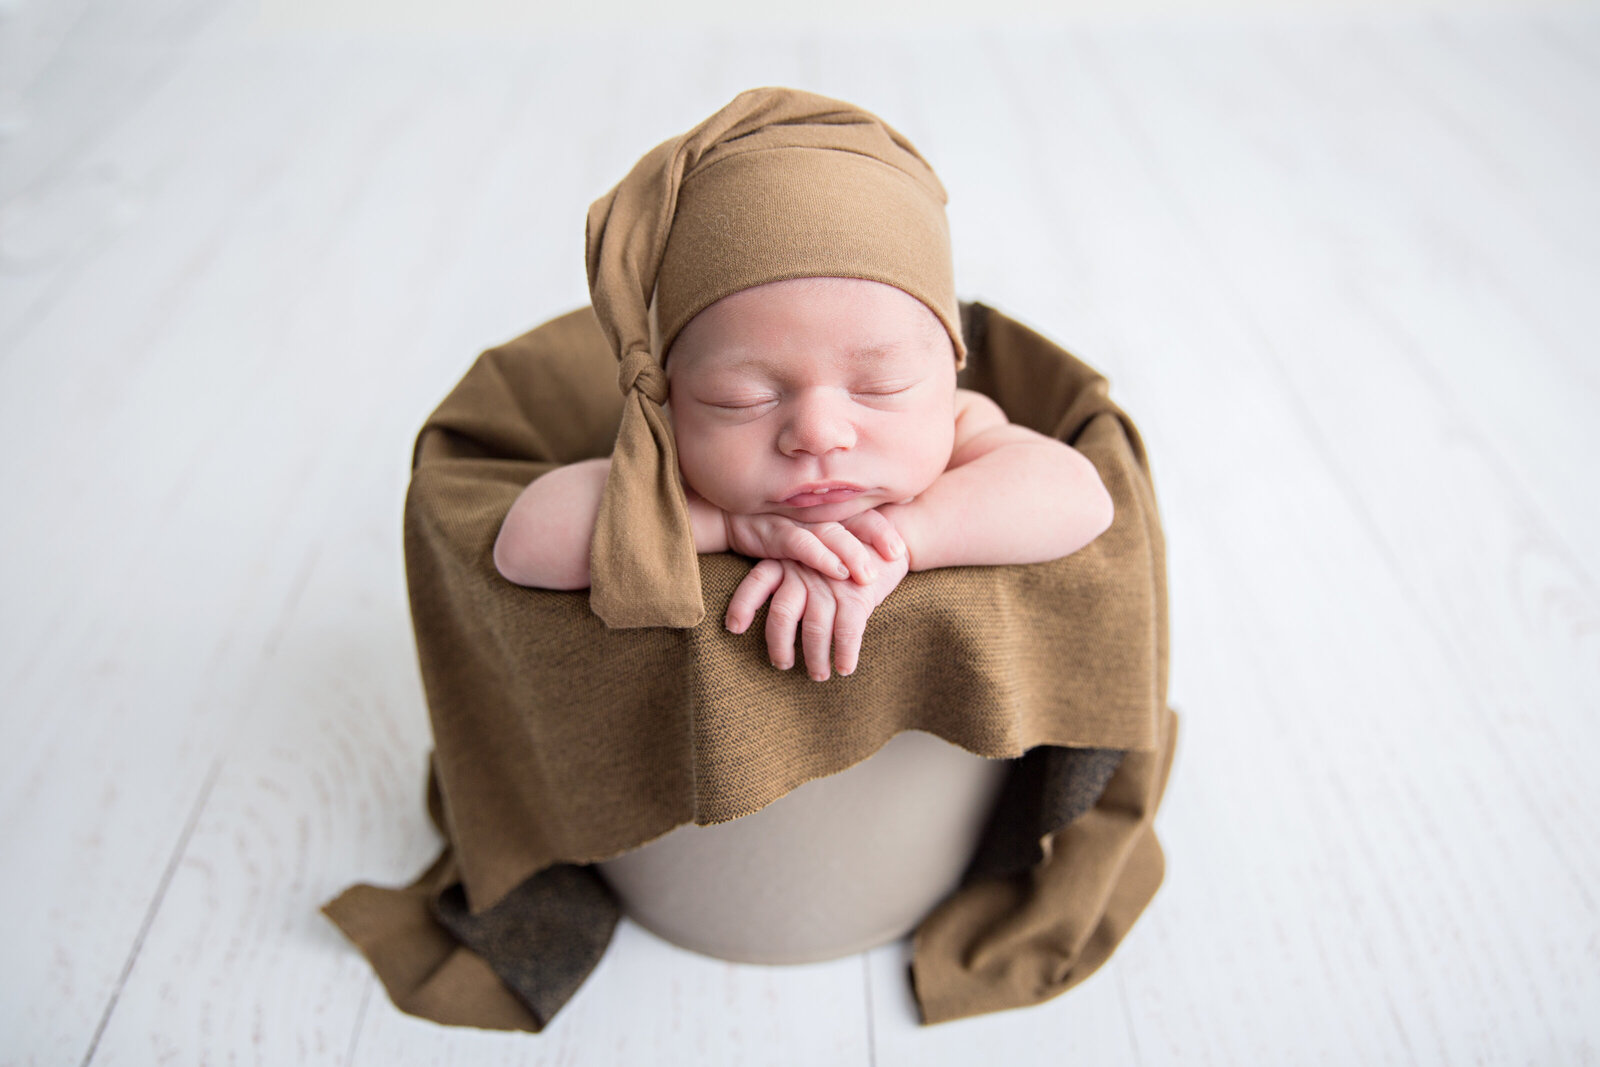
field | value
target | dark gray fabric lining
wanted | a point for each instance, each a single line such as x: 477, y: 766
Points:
x: 543, y: 938
x: 1046, y: 790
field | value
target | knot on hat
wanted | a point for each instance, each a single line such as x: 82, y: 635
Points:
x: 641, y: 371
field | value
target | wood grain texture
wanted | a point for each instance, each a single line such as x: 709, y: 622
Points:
x: 1340, y: 269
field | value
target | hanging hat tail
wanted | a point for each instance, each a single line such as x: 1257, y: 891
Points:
x: 642, y: 536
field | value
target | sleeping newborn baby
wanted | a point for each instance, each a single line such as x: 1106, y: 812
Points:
x: 797, y: 401
x: 820, y: 430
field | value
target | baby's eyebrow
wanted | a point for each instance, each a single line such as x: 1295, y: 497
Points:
x: 759, y: 363
x: 751, y: 364
x: 877, y: 351
x: 860, y: 354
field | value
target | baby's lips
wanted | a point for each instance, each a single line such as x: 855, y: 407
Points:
x: 816, y: 493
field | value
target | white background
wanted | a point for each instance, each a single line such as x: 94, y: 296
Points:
x: 1341, y: 263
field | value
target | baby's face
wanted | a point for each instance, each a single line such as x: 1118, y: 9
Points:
x: 817, y: 399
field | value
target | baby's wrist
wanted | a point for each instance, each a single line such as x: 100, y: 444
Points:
x: 708, y: 523
x: 903, y: 517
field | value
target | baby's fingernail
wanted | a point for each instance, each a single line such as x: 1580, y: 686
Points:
x: 841, y: 571
x: 732, y: 626
x: 846, y: 673
x: 819, y: 676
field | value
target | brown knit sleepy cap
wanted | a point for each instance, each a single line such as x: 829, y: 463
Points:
x: 778, y: 184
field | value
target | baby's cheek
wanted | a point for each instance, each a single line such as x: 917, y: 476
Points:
x: 941, y: 446
x: 689, y: 464
x: 925, y: 474
x: 709, y: 469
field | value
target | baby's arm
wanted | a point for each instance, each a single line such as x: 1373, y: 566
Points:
x: 1009, y: 495
x: 544, y: 540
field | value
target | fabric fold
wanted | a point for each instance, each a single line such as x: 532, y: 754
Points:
x: 1021, y: 939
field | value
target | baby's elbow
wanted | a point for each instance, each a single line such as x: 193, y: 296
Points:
x: 511, y: 564
x: 1092, y: 508
x: 520, y: 563
x: 1103, y: 514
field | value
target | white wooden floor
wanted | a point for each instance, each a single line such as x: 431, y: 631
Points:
x: 1344, y: 270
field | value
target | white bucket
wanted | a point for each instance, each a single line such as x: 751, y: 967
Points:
x: 839, y: 865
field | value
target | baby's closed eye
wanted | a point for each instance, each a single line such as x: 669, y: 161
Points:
x: 886, y: 388
x: 738, y: 402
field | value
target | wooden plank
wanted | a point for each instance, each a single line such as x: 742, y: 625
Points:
x: 94, y: 68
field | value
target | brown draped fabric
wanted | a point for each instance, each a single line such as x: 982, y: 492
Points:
x: 560, y: 742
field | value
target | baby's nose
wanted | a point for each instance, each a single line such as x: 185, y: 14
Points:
x: 817, y: 423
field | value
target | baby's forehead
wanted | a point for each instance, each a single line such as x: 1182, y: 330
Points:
x: 846, y: 323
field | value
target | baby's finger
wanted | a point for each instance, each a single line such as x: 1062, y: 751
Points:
x: 804, y: 546
x: 816, y: 635
x: 847, y: 546
x: 783, y: 619
x: 759, y: 584
x: 849, y: 624
x: 877, y: 531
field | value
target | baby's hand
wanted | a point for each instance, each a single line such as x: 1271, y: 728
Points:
x: 840, y: 550
x: 830, y: 614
